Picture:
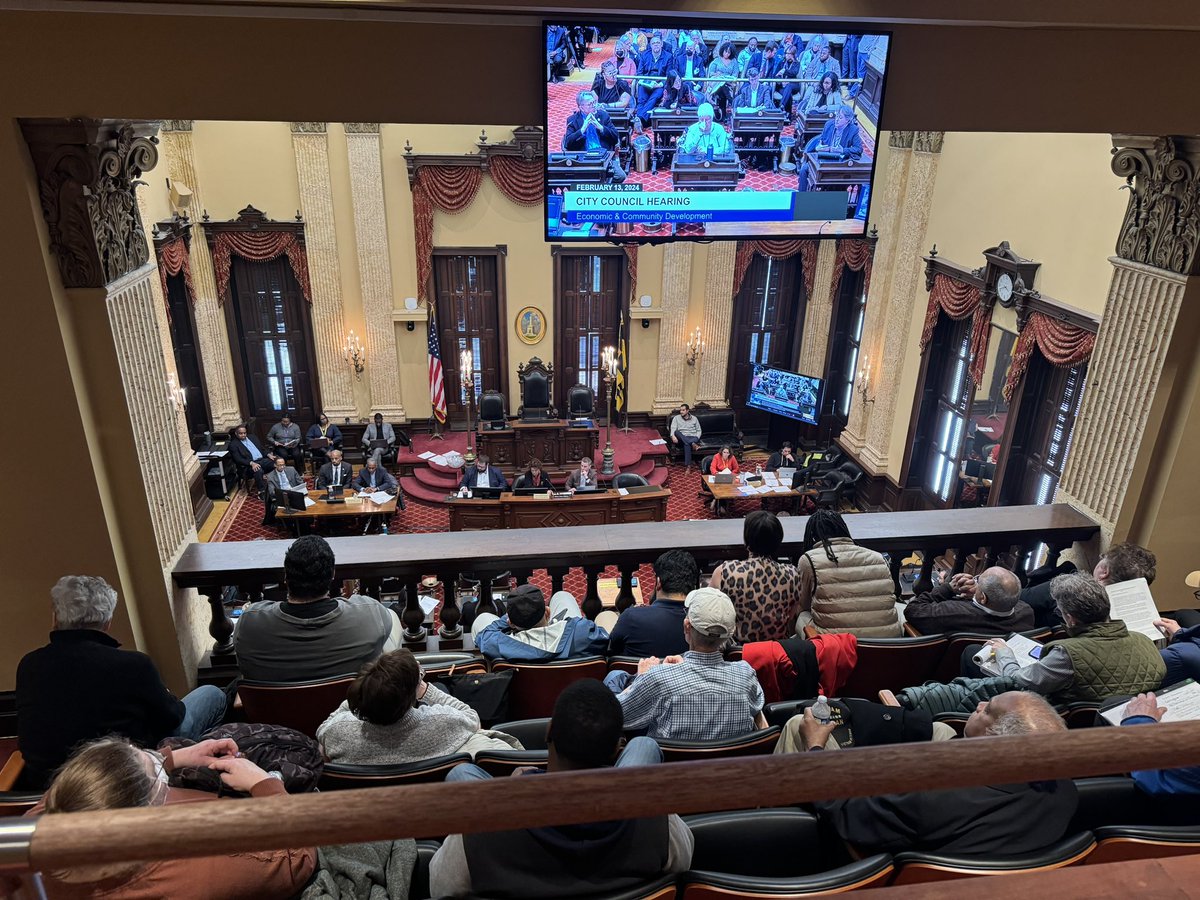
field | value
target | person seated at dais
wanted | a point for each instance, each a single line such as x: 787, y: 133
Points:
x: 375, y: 477
x: 704, y: 135
x: 839, y: 138
x: 591, y: 130
x: 583, y: 478
x: 335, y: 472
x: 724, y: 461
x: 679, y: 92
x: 483, y: 474
x: 281, y: 478
x: 533, y: 477
x: 825, y: 96
x: 784, y: 458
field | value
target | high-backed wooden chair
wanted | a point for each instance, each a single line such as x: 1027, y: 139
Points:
x: 302, y: 705
x: 537, y: 383
x: 535, y: 686
x: 918, y: 868
x: 892, y: 664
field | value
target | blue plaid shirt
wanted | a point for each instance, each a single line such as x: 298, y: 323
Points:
x: 702, y: 698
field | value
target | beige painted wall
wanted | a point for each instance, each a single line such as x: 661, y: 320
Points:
x: 1053, y: 197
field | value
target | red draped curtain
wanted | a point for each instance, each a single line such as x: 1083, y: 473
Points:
x: 173, y: 258
x: 1061, y: 343
x: 855, y: 255
x: 520, y: 180
x: 777, y: 250
x: 259, y: 246
x: 957, y: 299
x: 448, y: 188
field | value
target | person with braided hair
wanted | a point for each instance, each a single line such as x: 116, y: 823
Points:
x: 848, y: 588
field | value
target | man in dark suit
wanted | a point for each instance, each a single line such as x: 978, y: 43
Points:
x: 482, y: 474
x: 82, y: 686
x: 690, y: 64
x: 839, y: 137
x: 281, y: 478
x: 248, y: 458
x: 654, y: 61
x: 590, y: 128
x: 375, y: 477
x: 334, y: 472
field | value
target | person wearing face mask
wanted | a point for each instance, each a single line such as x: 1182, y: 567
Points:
x: 625, y: 57
x: 989, y: 603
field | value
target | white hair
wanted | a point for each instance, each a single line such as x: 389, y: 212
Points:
x: 704, y: 109
x: 1032, y: 715
x: 83, y: 601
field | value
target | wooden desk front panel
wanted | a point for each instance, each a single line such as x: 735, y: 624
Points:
x: 598, y: 508
x: 556, y: 444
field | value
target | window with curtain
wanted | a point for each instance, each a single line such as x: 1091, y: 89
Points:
x: 590, y: 291
x: 845, y: 345
x: 953, y: 401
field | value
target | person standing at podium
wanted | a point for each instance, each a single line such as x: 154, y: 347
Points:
x: 705, y: 135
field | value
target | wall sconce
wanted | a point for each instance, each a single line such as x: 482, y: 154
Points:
x: 175, y: 394
x: 355, y: 353
x: 695, y: 347
x: 864, y: 383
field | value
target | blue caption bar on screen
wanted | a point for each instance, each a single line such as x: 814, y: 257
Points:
x: 777, y: 203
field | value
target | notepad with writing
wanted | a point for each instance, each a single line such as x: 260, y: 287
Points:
x: 1182, y: 701
x: 1025, y: 650
x: 1133, y: 604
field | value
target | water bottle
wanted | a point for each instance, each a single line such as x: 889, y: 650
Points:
x: 383, y: 529
x: 821, y: 711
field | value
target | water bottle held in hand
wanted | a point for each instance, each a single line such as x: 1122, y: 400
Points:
x: 821, y: 711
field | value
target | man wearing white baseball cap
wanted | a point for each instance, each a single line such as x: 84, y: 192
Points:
x: 698, y: 696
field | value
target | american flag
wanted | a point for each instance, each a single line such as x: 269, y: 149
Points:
x: 437, y: 387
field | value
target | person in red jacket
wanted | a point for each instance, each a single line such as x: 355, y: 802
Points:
x: 724, y: 461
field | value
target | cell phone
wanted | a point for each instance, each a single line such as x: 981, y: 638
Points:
x: 634, y: 581
x: 1036, y: 652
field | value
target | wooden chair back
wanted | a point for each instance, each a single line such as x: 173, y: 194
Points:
x: 302, y: 706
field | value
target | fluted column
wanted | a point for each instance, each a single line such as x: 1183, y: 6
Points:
x: 374, y: 267
x: 211, y: 333
x: 817, y: 314
x: 887, y: 214
x: 311, y: 146
x: 188, y: 458
x: 718, y: 323
x: 672, y: 334
x: 888, y: 341
x: 1123, y: 374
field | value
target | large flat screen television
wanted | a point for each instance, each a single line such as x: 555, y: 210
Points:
x: 786, y: 394
x: 710, y: 129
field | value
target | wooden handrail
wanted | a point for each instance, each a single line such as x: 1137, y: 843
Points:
x: 422, y: 810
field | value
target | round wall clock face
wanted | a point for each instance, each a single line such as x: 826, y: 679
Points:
x: 1004, y: 287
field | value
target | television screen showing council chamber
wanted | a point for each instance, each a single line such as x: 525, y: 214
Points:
x: 715, y: 130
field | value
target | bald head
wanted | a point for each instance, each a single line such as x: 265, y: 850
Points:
x: 998, y: 589
x: 1014, y: 712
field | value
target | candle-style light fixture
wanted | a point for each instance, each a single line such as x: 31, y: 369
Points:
x: 355, y: 353
x: 176, y: 394
x: 466, y: 372
x: 608, y: 364
x: 864, y: 382
x: 695, y: 347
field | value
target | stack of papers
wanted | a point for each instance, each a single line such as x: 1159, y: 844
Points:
x: 747, y: 490
x: 1025, y: 650
x: 770, y: 478
x: 379, y: 497
x: 1182, y: 701
x: 765, y: 488
x: 1132, y: 604
x: 657, y: 442
x: 309, y: 501
x: 781, y: 489
x: 428, y: 454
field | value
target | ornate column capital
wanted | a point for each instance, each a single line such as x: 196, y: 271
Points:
x: 308, y: 127
x: 361, y: 127
x: 177, y: 124
x: 1162, y: 221
x: 87, y: 171
x: 900, y: 140
x: 928, y: 141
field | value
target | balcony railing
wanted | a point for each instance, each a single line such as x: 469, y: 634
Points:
x: 249, y: 566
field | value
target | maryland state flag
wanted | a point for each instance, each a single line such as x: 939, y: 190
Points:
x: 619, y: 392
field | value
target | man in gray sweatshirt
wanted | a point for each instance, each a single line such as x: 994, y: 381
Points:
x: 685, y: 430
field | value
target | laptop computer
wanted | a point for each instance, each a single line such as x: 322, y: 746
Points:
x: 785, y: 474
x: 377, y: 444
x: 318, y: 443
x: 723, y: 478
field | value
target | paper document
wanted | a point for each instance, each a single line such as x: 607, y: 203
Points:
x: 747, y: 490
x: 770, y: 478
x: 438, y: 460
x: 1025, y: 650
x: 428, y: 454
x: 309, y: 501
x: 712, y: 479
x: 380, y: 497
x: 781, y: 489
x: 657, y: 442
x: 428, y: 603
x: 623, y: 492
x: 1132, y: 604
x: 765, y: 488
x: 1182, y: 701
x: 986, y: 429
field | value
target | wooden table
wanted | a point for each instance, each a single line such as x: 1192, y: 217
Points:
x: 723, y: 493
x: 325, y: 510
x: 848, y: 175
x: 558, y: 445
x: 542, y: 511
x: 566, y: 169
x: 696, y: 173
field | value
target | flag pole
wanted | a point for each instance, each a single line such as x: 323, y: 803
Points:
x: 435, y: 431
x: 623, y: 343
